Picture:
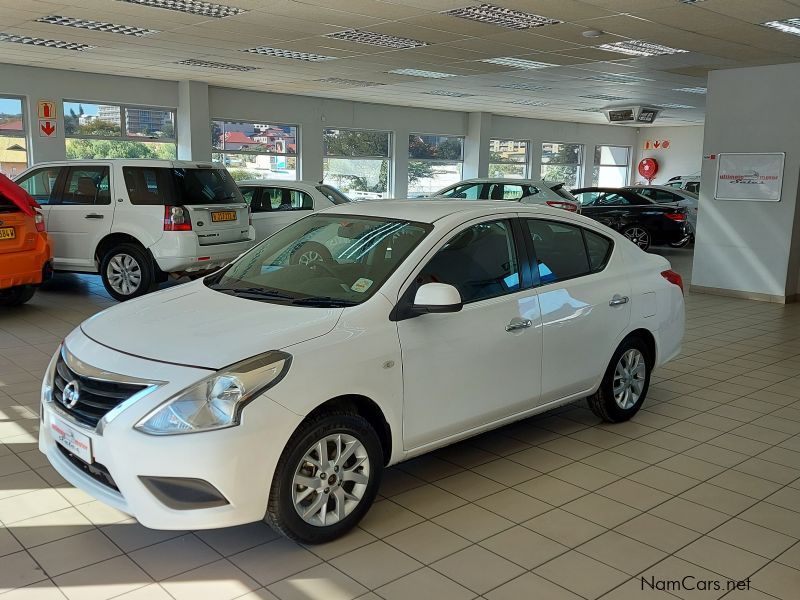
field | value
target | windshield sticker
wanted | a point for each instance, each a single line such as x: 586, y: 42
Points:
x: 361, y: 285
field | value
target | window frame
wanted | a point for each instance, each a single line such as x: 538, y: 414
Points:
x: 526, y: 164
x: 123, y: 136
x: 58, y: 182
x: 600, y: 165
x: 389, y: 158
x: 287, y: 189
x: 580, y: 165
x: 450, y: 161
x: 222, y: 151
x: 65, y: 177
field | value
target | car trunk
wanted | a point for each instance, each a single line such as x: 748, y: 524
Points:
x: 17, y: 233
x: 219, y: 224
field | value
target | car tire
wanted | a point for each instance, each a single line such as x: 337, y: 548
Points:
x: 625, y: 383
x: 16, y: 295
x: 128, y: 272
x: 309, y: 253
x: 364, y: 465
x: 638, y: 235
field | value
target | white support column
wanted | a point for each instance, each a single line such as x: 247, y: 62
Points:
x: 476, y: 145
x: 194, y: 121
x: 311, y: 150
x: 400, y: 163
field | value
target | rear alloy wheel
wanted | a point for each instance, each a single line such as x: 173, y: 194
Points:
x: 638, y: 235
x: 127, y: 272
x: 16, y: 295
x: 624, y: 386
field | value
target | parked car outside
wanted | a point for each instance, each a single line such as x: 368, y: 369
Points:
x: 527, y: 191
x: 663, y: 194
x: 276, y: 203
x: 439, y: 321
x: 25, y: 255
x: 690, y: 183
x: 639, y: 219
x: 137, y: 221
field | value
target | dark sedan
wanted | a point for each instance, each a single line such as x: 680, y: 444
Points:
x: 639, y: 219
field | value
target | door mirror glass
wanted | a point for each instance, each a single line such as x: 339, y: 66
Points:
x: 437, y: 298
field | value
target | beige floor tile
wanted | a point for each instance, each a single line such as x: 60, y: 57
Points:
x: 473, y: 522
x: 673, y: 569
x: 375, y: 564
x: 524, y: 547
x: 386, y: 517
x: 465, y: 455
x: 174, y: 556
x: 8, y: 543
x: 539, y: 459
x: 355, y: 538
x: 564, y: 527
x: 428, y: 501
x: 551, y: 490
x: 322, y: 582
x: 50, y: 527
x: 584, y: 476
x: 469, y: 485
x: 478, y: 569
x: 506, y: 472
x: 513, y: 505
x: 18, y: 570
x: 232, y: 540
x: 664, y: 480
x: 614, y: 463
x: 736, y: 481
x: 150, y: 592
x: 622, y: 552
x: 636, y: 589
x: 779, y: 580
x: 130, y: 535
x: 739, y: 444
x: 395, y: 481
x: 691, y: 515
x: 429, y: 468
x: 599, y: 437
x: 634, y: 494
x: 787, y: 498
x: 791, y: 558
x: 601, y: 510
x: 595, y: 578
x: 773, y: 517
x: 722, y: 558
x: 74, y: 552
x: 691, y: 467
x: 20, y: 483
x: 571, y: 448
x: 32, y: 504
x: 753, y: 538
x: 524, y: 585
x: 640, y: 450
x: 769, y: 470
x: 43, y: 590
x: 274, y: 560
x: 425, y: 583
x: 103, y: 580
x: 711, y: 496
x: 427, y: 542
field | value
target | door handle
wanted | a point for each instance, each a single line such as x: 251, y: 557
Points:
x: 618, y: 300
x: 93, y: 216
x: 517, y: 323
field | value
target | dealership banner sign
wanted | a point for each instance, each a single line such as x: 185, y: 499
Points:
x: 754, y: 177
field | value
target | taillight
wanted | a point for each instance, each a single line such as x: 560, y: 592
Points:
x: 673, y: 278
x: 38, y: 219
x: 563, y: 205
x: 676, y: 216
x: 176, y: 218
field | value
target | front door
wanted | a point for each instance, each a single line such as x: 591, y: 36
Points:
x: 466, y: 369
x: 80, y: 216
x: 41, y: 185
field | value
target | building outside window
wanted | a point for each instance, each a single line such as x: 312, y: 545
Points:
x: 508, y: 159
x: 255, y: 150
x: 118, y: 131
x: 611, y: 166
x: 13, y: 145
x: 562, y: 163
x: 358, y: 161
x: 435, y: 162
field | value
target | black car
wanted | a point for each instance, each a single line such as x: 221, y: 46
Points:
x: 639, y: 219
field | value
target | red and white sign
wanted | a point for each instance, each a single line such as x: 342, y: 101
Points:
x: 757, y: 177
x: 47, y: 128
x: 47, y: 109
x: 657, y: 144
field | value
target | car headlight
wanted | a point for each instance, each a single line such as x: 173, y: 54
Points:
x: 217, y: 401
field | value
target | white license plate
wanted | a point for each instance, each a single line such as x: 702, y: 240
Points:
x: 74, y: 441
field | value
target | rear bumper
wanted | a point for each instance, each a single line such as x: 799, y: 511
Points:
x: 180, y: 252
x: 31, y: 267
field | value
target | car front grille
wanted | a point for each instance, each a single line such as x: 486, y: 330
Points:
x: 95, y: 470
x: 96, y: 397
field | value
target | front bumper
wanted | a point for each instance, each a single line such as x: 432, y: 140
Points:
x: 237, y: 463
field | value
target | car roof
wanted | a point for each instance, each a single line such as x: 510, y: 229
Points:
x: 276, y: 182
x: 666, y: 188
x: 505, y: 180
x: 134, y: 162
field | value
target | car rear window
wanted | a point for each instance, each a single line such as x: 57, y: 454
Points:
x: 7, y: 205
x: 180, y: 186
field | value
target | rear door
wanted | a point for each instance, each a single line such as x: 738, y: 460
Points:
x: 277, y: 207
x: 80, y: 215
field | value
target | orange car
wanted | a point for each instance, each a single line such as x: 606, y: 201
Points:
x: 25, y: 255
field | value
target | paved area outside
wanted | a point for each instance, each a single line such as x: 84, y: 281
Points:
x: 702, y: 487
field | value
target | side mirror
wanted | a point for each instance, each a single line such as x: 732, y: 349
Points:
x: 437, y: 298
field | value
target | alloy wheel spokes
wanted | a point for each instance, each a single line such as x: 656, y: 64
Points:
x: 629, y: 378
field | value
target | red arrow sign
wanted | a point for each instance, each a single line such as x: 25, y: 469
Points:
x: 47, y: 128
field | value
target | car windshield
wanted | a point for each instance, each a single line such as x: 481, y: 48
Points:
x: 322, y: 260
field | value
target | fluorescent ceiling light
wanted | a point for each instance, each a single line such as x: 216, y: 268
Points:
x: 502, y: 17
x: 420, y: 73
x: 691, y: 90
x: 791, y: 26
x: 668, y: 105
x: 448, y: 93
x: 640, y: 48
x: 348, y: 82
x: 207, y: 64
x: 376, y: 39
x: 517, y: 63
x: 279, y: 53
x: 531, y: 87
x: 526, y: 102
x: 193, y: 7
x: 604, y: 97
x: 45, y: 43
x: 607, y: 77
x: 97, y: 26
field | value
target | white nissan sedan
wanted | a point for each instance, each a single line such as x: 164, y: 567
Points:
x: 360, y: 336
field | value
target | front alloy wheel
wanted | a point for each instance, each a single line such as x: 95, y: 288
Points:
x: 629, y: 378
x: 639, y: 236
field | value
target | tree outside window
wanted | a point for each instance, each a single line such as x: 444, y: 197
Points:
x: 562, y: 163
x: 508, y: 159
x: 435, y: 162
x: 256, y: 150
x: 357, y: 161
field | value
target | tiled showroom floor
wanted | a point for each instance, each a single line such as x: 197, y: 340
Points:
x: 704, y: 482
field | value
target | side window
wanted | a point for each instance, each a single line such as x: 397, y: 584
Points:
x: 612, y: 199
x: 560, y: 251
x: 87, y: 185
x: 693, y: 186
x: 587, y: 198
x: 480, y: 262
x: 512, y: 191
x: 248, y: 194
x: 599, y: 249
x: 148, y: 186
x: 271, y: 199
x: 646, y: 192
x: 664, y: 196
x: 469, y: 191
x: 40, y: 183
x: 300, y: 200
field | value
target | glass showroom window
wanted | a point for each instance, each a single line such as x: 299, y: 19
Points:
x: 357, y: 161
x: 255, y: 150
x: 562, y: 163
x: 611, y: 166
x: 117, y: 131
x: 508, y: 158
x: 13, y: 153
x: 435, y: 161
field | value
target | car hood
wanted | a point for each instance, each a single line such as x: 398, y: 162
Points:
x: 195, y: 326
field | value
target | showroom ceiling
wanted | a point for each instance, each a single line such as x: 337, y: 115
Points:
x: 449, y: 54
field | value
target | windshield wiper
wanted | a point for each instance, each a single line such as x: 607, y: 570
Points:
x: 255, y: 291
x: 324, y: 301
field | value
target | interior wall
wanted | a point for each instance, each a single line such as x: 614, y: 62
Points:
x: 684, y: 156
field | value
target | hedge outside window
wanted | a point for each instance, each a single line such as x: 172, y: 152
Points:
x: 435, y: 162
x: 118, y: 131
x: 508, y: 159
x: 357, y: 161
x: 13, y: 145
x: 255, y: 150
x: 562, y: 163
x: 611, y: 166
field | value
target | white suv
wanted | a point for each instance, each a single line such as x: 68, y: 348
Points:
x: 136, y: 221
x: 526, y: 191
